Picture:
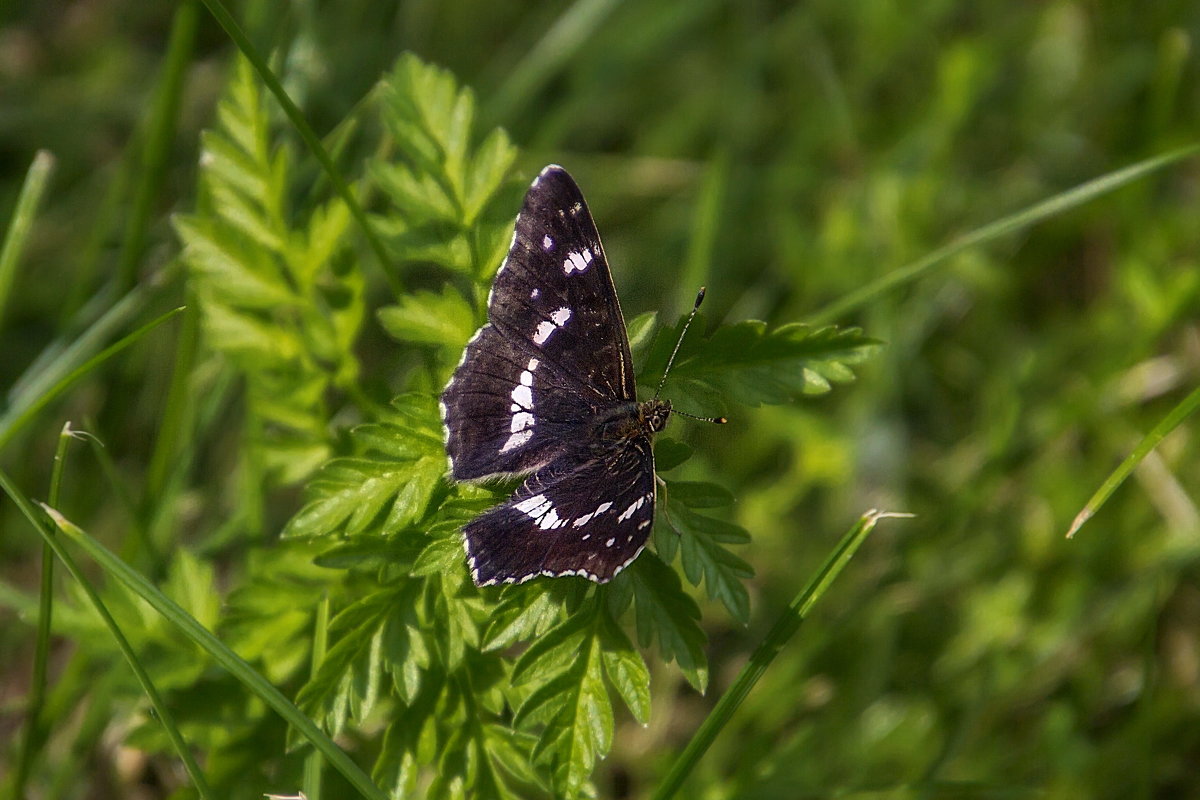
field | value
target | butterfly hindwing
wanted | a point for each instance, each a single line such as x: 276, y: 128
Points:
x: 587, y: 516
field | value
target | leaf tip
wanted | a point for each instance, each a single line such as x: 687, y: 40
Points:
x: 1078, y: 522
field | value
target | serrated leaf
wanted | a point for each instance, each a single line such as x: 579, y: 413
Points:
x: 578, y: 718
x: 666, y: 614
x: 430, y: 318
x: 274, y: 286
x: 227, y: 268
x: 749, y: 363
x: 409, y: 738
x: 439, y: 556
x: 625, y: 668
x: 704, y: 557
x: 443, y: 191
x: 553, y: 650
x: 523, y: 614
x: 347, y: 680
x: 489, y: 170
x: 395, y: 479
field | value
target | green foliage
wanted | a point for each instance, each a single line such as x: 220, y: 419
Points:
x: 967, y: 204
x: 277, y: 291
x: 749, y: 363
x: 416, y: 645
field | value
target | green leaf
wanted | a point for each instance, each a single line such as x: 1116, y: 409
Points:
x: 270, y: 618
x: 625, y: 668
x: 664, y: 612
x: 385, y: 489
x: 751, y: 364
x: 407, y: 741
x: 430, y: 318
x: 670, y: 453
x: 704, y: 558
x: 446, y: 194
x: 554, y: 650
x: 640, y: 331
x: 526, y: 612
x: 698, y: 495
x: 277, y: 292
x: 578, y: 719
x: 347, y: 680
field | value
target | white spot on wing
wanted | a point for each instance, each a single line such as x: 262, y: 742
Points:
x: 548, y: 242
x: 548, y: 326
x: 523, y: 397
x: 586, y: 518
x: 533, y: 506
x: 534, y: 294
x: 609, y: 543
x: 521, y: 420
x: 634, y: 506
x: 544, y: 329
x: 577, y: 262
x: 516, y: 440
x: 551, y: 520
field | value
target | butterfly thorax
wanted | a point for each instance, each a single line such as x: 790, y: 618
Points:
x: 630, y: 420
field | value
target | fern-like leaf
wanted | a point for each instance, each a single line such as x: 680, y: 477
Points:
x: 752, y: 364
x: 278, y: 297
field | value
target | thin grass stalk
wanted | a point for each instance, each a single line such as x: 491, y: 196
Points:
x: 156, y: 155
x: 1169, y: 423
x: 164, y: 713
x: 20, y: 413
x: 220, y: 652
x: 781, y: 632
x: 1031, y: 215
x: 34, y: 733
x: 32, y: 190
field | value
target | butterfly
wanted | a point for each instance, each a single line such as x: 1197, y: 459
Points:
x: 545, y: 389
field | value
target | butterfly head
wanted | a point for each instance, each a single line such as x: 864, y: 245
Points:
x: 654, y: 415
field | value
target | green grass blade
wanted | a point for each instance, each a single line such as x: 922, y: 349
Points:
x: 235, y: 32
x: 34, y: 733
x: 28, y: 404
x: 1013, y: 222
x: 559, y: 44
x: 221, y: 653
x: 1169, y: 423
x: 705, y: 227
x: 176, y: 431
x: 155, y: 156
x: 783, y: 630
x: 314, y: 764
x: 164, y: 713
x: 22, y: 221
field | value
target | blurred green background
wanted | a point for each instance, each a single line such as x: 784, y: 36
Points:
x: 786, y: 154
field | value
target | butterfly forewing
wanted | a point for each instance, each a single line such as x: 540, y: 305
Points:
x: 591, y: 520
x: 554, y: 350
x: 508, y: 410
x: 555, y: 291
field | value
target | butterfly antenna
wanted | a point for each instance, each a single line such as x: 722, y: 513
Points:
x: 675, y: 352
